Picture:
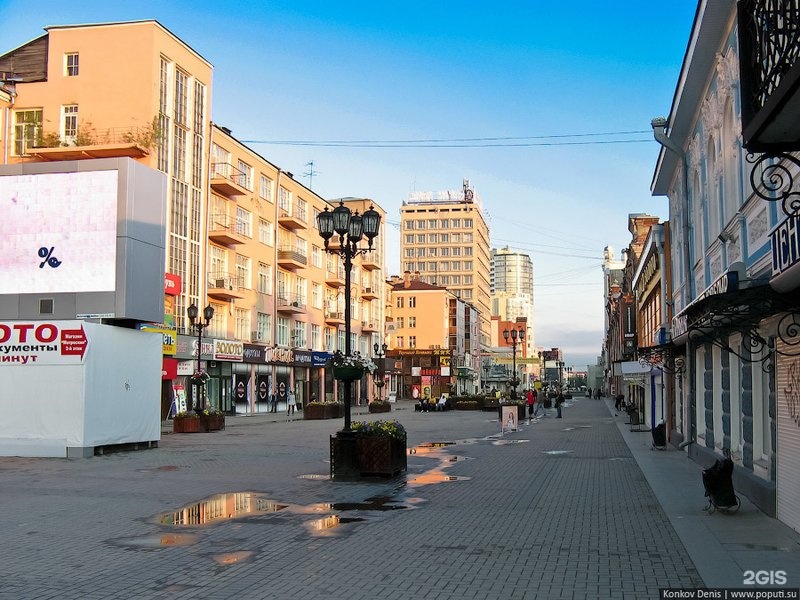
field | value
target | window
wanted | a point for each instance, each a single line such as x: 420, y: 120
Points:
x: 301, y: 209
x: 412, y: 341
x: 409, y: 238
x: 265, y: 188
x: 71, y: 64
x: 468, y: 265
x: 315, y: 337
x: 444, y: 265
x: 243, y: 271
x: 245, y: 175
x: 401, y: 322
x: 400, y: 300
x: 299, y: 335
x: 431, y: 223
x: 445, y: 224
x: 456, y: 251
x: 412, y: 322
x: 467, y: 237
x: 412, y: 302
x: 264, y: 278
x: 468, y: 223
x: 456, y: 223
x: 468, y: 251
x: 420, y: 239
x: 456, y: 237
x: 282, y: 334
x: 181, y: 97
x: 330, y: 340
x: 420, y: 224
x: 244, y: 222
x: 242, y: 323
x: 433, y: 251
x: 69, y: 123
x: 266, y: 232
x: 27, y: 130
x: 420, y: 252
x: 316, y: 256
x: 264, y: 328
x: 409, y: 224
x: 285, y: 200
x: 409, y: 253
x: 444, y: 238
x: 316, y: 294
x: 431, y: 238
x: 445, y: 251
x: 455, y: 265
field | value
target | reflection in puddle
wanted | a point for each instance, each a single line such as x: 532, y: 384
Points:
x: 434, y: 476
x: 376, y: 503
x: 567, y: 429
x: 323, y: 527
x: 558, y: 452
x: 506, y: 442
x: 157, y: 540
x: 318, y: 476
x: 233, y: 558
x: 221, y: 507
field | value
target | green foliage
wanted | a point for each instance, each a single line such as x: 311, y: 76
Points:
x: 392, y: 429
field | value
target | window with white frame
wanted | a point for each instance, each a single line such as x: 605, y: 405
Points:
x: 432, y: 238
x: 339, y: 340
x: 69, y: 123
x: 444, y: 238
x: 412, y: 341
x: 264, y: 328
x: 456, y: 223
x: 243, y: 271
x: 27, y: 129
x: 181, y: 97
x: 316, y: 295
x: 420, y: 239
x: 468, y: 223
x: 266, y: 232
x: 244, y: 222
x: 285, y: 200
x: 316, y: 338
x: 420, y: 224
x: 219, y: 323
x: 330, y: 339
x: 283, y: 286
x: 71, y: 64
x: 299, y: 334
x: 265, y: 186
x: 412, y: 322
x: 301, y: 290
x: 282, y: 331
x: 218, y: 261
x: 316, y: 256
x: 246, y: 175
x: 264, y: 278
x: 409, y: 238
x: 412, y: 302
x: 301, y: 209
x: 242, y: 323
x: 445, y: 224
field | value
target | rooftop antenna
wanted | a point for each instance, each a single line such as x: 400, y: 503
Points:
x: 310, y: 174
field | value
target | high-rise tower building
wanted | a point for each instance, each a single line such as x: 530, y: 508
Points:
x: 511, y: 277
x: 445, y: 239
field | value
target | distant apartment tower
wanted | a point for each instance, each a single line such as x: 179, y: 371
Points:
x: 511, y: 280
x: 445, y: 239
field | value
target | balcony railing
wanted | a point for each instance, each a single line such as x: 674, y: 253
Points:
x: 227, y: 230
x: 228, y: 180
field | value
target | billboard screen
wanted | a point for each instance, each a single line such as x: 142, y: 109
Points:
x: 58, y: 232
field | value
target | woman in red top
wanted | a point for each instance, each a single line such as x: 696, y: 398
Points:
x: 530, y: 397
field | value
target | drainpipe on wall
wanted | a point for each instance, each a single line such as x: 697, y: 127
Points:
x: 659, y: 125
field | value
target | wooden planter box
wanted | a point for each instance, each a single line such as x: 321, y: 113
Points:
x: 323, y: 411
x: 212, y: 422
x: 187, y: 425
x: 379, y: 408
x: 384, y: 456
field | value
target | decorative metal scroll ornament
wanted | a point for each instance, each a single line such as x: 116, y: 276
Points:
x: 773, y: 180
x: 662, y: 358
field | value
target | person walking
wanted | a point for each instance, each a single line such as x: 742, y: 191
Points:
x: 559, y: 402
x: 530, y: 399
x: 273, y: 400
x: 291, y: 402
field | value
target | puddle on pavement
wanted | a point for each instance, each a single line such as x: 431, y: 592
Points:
x: 558, y: 452
x: 567, y: 429
x: 506, y: 442
x: 157, y: 540
x: 233, y: 558
x: 322, y: 527
x: 221, y: 507
x: 317, y: 476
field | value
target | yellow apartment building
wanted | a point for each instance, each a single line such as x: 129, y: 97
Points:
x: 445, y: 238
x: 241, y: 232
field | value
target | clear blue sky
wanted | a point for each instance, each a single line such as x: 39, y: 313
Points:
x: 372, y: 71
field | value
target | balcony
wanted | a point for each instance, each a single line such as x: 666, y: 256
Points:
x: 334, y: 318
x: 770, y: 75
x: 292, y: 218
x: 114, y: 142
x: 224, y: 230
x: 291, y: 305
x: 291, y: 259
x: 336, y: 279
x: 224, y: 286
x: 369, y: 293
x: 227, y: 180
x: 370, y: 261
x: 369, y: 327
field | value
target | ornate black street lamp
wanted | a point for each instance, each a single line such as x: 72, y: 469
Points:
x: 517, y: 336
x: 380, y: 355
x: 351, y: 228
x: 199, y: 378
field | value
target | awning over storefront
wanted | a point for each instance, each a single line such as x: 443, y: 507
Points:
x: 632, y: 371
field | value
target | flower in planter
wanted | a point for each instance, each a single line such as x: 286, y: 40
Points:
x: 213, y: 412
x: 200, y: 377
x: 354, y: 360
x: 392, y: 429
x: 186, y: 415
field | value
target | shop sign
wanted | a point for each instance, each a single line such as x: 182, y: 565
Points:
x: 186, y: 367
x: 170, y: 343
x: 302, y: 358
x: 172, y: 284
x: 228, y: 350
x: 169, y: 368
x: 42, y: 343
x: 278, y: 355
x: 253, y: 353
x: 320, y: 359
x: 785, y: 241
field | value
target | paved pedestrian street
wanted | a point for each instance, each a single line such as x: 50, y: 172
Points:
x: 559, y: 509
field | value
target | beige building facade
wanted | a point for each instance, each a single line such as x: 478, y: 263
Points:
x: 241, y: 232
x: 445, y: 237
